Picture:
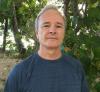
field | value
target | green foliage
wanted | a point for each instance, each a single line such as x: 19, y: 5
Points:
x: 97, y: 87
x: 83, y: 38
x: 26, y: 12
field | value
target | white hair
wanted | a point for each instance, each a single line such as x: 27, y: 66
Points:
x: 47, y: 7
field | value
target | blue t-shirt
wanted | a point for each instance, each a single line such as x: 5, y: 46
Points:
x: 36, y: 74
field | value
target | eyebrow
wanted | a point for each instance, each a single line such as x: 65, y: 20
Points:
x: 46, y: 23
x: 59, y: 23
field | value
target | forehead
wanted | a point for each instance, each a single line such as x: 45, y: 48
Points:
x: 51, y: 15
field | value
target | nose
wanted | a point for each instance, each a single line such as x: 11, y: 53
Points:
x: 52, y: 30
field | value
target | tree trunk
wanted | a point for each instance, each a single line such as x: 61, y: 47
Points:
x: 5, y: 34
x: 66, y: 3
x: 74, y: 5
x: 17, y: 35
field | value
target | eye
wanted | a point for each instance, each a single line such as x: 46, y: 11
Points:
x: 59, y: 26
x: 46, y: 26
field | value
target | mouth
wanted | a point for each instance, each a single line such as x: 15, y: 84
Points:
x: 52, y: 38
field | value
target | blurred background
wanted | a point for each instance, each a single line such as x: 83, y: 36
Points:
x: 82, y: 34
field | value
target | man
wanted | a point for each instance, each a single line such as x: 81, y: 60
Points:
x: 48, y: 70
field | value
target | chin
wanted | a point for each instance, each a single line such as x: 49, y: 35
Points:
x: 53, y: 47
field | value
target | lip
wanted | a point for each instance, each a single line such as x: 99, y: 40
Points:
x: 52, y: 38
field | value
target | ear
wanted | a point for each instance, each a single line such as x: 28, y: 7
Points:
x: 37, y: 36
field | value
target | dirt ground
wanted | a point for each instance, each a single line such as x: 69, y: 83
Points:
x: 6, y: 64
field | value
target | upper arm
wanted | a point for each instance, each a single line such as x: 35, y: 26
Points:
x: 84, y: 87
x: 11, y: 84
x: 84, y: 83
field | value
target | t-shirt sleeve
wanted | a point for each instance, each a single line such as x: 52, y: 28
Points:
x: 12, y: 81
x: 84, y: 83
x: 84, y: 87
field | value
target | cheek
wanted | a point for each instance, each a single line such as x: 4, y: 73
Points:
x: 61, y: 35
x: 41, y: 36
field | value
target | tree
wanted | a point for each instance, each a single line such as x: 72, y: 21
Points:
x: 21, y: 13
x: 4, y: 19
x: 5, y: 34
x: 83, y: 35
x: 17, y: 37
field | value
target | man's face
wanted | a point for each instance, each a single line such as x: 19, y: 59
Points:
x: 50, y: 29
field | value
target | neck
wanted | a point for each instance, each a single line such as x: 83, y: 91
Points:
x: 50, y: 54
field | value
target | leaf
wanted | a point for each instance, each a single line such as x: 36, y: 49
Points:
x: 94, y: 13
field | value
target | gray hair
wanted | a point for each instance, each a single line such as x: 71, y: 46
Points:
x: 47, y: 7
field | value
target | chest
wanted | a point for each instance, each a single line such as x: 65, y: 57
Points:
x: 52, y: 79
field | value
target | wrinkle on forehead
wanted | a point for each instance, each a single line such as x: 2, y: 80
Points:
x: 51, y: 16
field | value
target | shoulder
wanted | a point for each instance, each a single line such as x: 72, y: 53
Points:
x: 72, y: 61
x: 74, y: 65
x: 18, y: 74
x: 26, y: 62
x: 22, y: 67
